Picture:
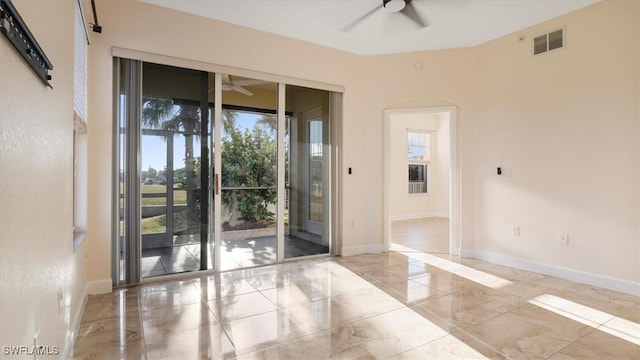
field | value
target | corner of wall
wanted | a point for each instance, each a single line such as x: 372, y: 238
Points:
x: 361, y: 249
x: 101, y: 286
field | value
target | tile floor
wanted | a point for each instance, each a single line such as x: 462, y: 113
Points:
x: 423, y: 235
x: 389, y: 306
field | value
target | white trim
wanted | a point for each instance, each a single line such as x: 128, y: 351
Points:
x: 584, y: 277
x: 102, y: 286
x: 455, y: 243
x: 361, y: 249
x: 416, y: 216
x: 217, y: 170
x: 280, y: 156
x: 203, y: 66
x: 335, y: 139
x: 76, y: 319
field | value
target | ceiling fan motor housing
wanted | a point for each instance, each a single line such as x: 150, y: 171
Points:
x: 394, y: 5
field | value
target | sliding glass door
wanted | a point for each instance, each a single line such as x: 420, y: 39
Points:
x: 216, y: 171
x: 248, y: 172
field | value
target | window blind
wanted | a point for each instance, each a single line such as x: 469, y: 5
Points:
x: 80, y: 66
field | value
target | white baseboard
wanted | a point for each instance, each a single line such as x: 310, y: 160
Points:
x: 76, y: 319
x: 416, y: 216
x: 361, y: 249
x: 102, y: 286
x: 602, y: 281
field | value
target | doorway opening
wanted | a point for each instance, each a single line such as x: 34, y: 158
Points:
x: 421, y: 209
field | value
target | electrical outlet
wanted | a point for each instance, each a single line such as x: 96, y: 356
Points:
x: 564, y: 239
x: 515, y: 230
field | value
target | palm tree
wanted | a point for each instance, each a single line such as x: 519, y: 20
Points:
x: 164, y: 114
x: 271, y: 121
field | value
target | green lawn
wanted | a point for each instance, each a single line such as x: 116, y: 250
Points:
x: 179, y: 196
x: 158, y: 224
x: 153, y: 225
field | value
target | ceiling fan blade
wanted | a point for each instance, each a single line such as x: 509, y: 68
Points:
x: 357, y: 21
x: 242, y: 90
x: 248, y: 82
x: 410, y: 12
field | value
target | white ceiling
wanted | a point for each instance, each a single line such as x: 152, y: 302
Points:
x: 452, y: 23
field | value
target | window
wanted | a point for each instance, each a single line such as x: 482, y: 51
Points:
x: 79, y: 128
x: 419, y: 157
x: 315, y: 170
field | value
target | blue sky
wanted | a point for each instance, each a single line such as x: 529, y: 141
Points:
x: 154, y: 148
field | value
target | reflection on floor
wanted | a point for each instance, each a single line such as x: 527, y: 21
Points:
x: 423, y: 235
x: 394, y: 305
x: 236, y: 254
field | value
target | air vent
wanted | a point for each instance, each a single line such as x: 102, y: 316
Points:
x: 547, y: 42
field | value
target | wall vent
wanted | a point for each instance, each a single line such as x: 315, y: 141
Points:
x: 547, y: 42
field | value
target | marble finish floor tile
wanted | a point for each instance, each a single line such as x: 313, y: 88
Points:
x: 458, y: 310
x: 290, y: 350
x: 177, y: 319
x: 321, y: 315
x: 236, y: 307
x: 380, y: 336
x: 599, y: 345
x: 206, y: 342
x: 117, y: 304
x: 516, y: 338
x: 452, y: 347
x: 212, y: 288
x: 112, y: 333
x: 408, y: 292
x: 287, y: 296
x: 134, y: 351
x: 260, y: 331
x: 397, y: 305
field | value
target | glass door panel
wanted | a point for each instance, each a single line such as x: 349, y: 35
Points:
x: 307, y: 153
x: 248, y: 173
x: 171, y: 154
x: 154, y: 227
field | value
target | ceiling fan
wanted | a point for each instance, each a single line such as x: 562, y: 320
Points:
x: 403, y: 8
x: 238, y: 85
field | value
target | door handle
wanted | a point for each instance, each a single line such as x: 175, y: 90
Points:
x: 217, y: 184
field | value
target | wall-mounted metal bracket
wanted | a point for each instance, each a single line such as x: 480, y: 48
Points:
x: 14, y: 28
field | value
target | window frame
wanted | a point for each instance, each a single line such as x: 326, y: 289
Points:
x: 79, y: 140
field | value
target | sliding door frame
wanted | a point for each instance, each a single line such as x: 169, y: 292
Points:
x: 210, y: 186
x: 217, y: 177
x: 126, y: 250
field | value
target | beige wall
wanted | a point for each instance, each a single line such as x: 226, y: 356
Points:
x: 36, y: 129
x: 404, y: 206
x: 565, y: 122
